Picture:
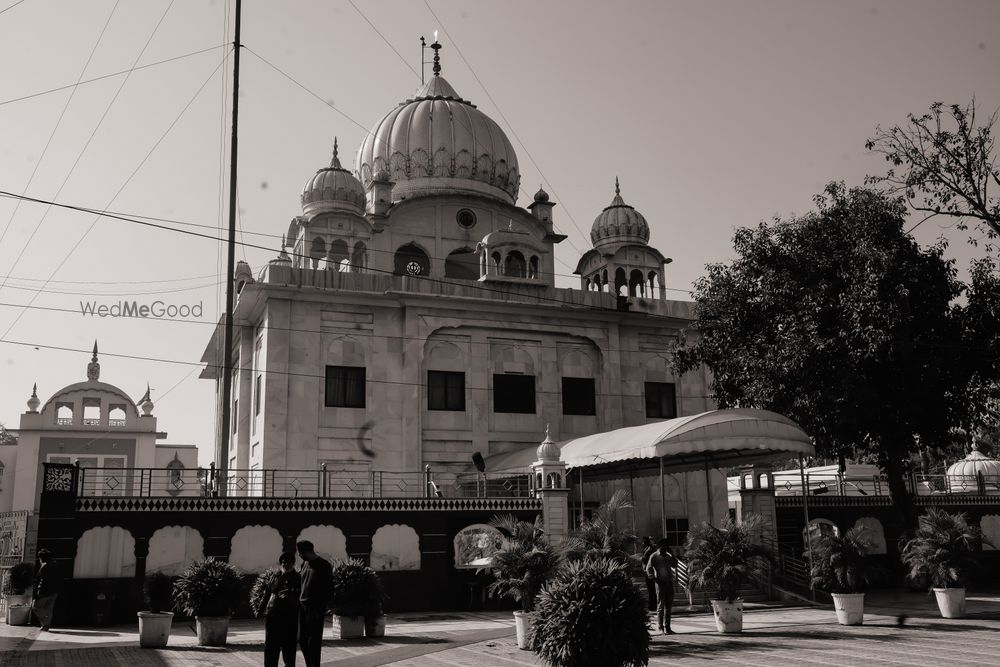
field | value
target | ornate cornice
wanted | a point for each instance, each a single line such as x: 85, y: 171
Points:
x: 232, y: 504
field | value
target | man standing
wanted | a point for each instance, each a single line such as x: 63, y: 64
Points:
x: 281, y: 617
x: 317, y: 580
x: 660, y: 568
x: 649, y: 550
x: 47, y: 584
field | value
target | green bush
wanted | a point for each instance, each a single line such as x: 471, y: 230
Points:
x: 356, y: 589
x: 208, y: 588
x: 840, y: 563
x: 19, y: 579
x: 524, y: 562
x: 156, y: 589
x: 591, y: 614
x: 261, y: 590
x: 722, y: 558
x: 944, y: 551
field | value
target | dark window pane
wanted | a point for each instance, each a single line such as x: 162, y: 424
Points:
x: 445, y: 390
x: 514, y: 393
x: 578, y: 396
x: 256, y: 397
x: 345, y: 386
x: 661, y: 400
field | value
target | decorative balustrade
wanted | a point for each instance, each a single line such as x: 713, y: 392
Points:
x: 325, y: 482
x: 877, y: 486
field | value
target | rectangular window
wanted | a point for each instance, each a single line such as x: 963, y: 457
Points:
x: 345, y: 386
x: 514, y: 393
x: 235, y: 417
x: 661, y: 400
x: 256, y: 395
x: 445, y: 390
x: 578, y: 396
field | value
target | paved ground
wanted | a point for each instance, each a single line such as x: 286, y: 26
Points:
x: 792, y: 635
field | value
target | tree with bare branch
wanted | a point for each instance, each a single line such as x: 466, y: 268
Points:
x: 944, y: 163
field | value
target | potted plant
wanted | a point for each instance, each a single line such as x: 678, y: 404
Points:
x: 209, y: 590
x: 944, y: 552
x: 591, y: 614
x: 601, y: 536
x: 523, y: 564
x: 17, y: 592
x: 354, y: 591
x: 374, y: 612
x: 722, y: 558
x: 154, y: 625
x: 260, y: 592
x: 842, y: 567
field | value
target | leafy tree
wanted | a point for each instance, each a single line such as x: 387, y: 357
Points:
x: 842, y: 322
x: 944, y: 163
x: 6, y: 437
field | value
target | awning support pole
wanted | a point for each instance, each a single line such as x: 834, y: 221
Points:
x: 805, y: 511
x: 631, y: 491
x: 663, y: 503
x: 708, y: 488
x: 581, y: 496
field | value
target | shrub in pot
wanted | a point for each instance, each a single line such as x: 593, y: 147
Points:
x: 523, y: 564
x: 17, y: 592
x: 591, y: 613
x: 944, y: 552
x: 154, y: 625
x: 722, y: 559
x: 209, y: 590
x: 260, y: 592
x: 356, y: 595
x: 841, y: 566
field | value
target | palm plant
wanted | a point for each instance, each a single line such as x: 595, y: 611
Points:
x: 524, y: 562
x: 944, y: 550
x: 723, y: 557
x: 601, y: 536
x: 260, y: 593
x: 840, y: 563
x: 208, y: 588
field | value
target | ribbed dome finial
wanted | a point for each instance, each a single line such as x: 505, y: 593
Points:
x: 437, y: 57
x: 335, y: 162
x: 618, y: 189
x: 619, y: 223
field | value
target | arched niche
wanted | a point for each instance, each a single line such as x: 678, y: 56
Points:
x: 337, y: 257
x: 621, y: 282
x: 173, y: 548
x: 990, y: 525
x: 462, y: 264
x: 317, y: 250
x: 359, y: 259
x: 395, y: 547
x: 255, y: 548
x: 445, y: 356
x: 818, y: 528
x: 346, y: 351
x: 636, y: 283
x: 514, y: 265
x: 475, y: 545
x: 328, y: 541
x: 874, y: 532
x: 411, y: 260
x: 103, y: 553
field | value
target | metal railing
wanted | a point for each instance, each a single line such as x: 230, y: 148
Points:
x: 834, y: 484
x: 929, y: 485
x: 325, y: 482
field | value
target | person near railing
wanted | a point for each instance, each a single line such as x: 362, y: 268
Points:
x: 660, y: 567
x: 649, y: 550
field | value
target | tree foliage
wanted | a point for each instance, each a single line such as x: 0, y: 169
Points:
x: 6, y: 437
x: 944, y: 163
x: 839, y: 320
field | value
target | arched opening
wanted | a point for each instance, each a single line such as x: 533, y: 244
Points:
x: 495, y: 257
x: 337, y: 256
x: 317, y: 251
x: 64, y: 414
x: 652, y: 283
x: 475, y: 545
x: 636, y: 283
x: 818, y: 528
x: 116, y: 415
x: 533, y: 267
x: 462, y: 264
x: 359, y: 260
x: 411, y: 260
x: 604, y: 280
x: 514, y: 265
x: 621, y: 282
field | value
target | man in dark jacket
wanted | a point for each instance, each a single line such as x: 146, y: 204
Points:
x: 48, y: 580
x: 317, y: 581
x: 281, y: 618
x: 660, y: 567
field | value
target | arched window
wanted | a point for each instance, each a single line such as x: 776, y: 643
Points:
x: 533, y: 267
x: 652, y: 283
x: 317, y: 250
x: 411, y: 260
x: 462, y: 264
x: 620, y: 281
x: 636, y: 283
x: 64, y: 414
x: 514, y: 265
x: 604, y: 280
x: 359, y: 260
x: 337, y: 256
x: 475, y: 545
x: 495, y: 257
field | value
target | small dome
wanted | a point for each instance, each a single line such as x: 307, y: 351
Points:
x: 541, y: 196
x: 333, y: 188
x: 963, y: 475
x: 548, y: 450
x: 619, y: 223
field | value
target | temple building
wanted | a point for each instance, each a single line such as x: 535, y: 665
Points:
x: 411, y: 317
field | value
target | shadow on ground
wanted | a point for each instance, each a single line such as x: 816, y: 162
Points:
x: 754, y: 639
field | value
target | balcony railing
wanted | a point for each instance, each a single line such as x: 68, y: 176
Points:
x: 322, y: 483
x: 877, y: 485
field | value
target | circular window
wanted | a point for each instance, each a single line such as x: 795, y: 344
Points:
x: 466, y: 218
x: 413, y: 268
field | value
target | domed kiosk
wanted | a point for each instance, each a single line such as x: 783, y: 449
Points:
x: 976, y: 473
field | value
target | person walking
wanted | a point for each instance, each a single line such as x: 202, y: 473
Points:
x: 649, y: 550
x: 48, y: 581
x: 317, y: 581
x: 281, y: 617
x: 660, y: 568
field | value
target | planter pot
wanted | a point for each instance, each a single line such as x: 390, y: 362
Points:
x: 850, y: 608
x: 728, y: 616
x: 18, y: 614
x: 18, y: 598
x: 212, y: 630
x: 154, y: 628
x: 375, y: 626
x: 951, y: 602
x: 522, y: 622
x: 348, y: 627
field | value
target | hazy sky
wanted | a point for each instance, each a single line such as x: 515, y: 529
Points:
x: 713, y: 114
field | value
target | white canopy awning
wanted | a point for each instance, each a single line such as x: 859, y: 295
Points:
x: 718, y: 438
